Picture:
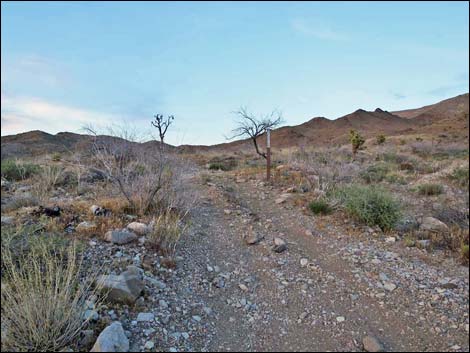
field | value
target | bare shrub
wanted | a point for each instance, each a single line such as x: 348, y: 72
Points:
x: 46, y: 181
x: 324, y: 170
x: 149, y: 177
x: 44, y: 298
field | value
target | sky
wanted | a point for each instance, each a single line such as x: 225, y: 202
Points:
x: 69, y: 65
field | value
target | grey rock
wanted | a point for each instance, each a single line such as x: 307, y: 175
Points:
x: 120, y: 237
x: 138, y: 228
x: 124, y: 288
x: 146, y: 317
x: 279, y: 245
x: 433, y: 225
x: 112, y: 339
x: 372, y: 344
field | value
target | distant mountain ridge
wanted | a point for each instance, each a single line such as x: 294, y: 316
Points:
x: 450, y: 115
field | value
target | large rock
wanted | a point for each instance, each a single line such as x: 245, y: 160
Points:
x: 112, y: 339
x: 433, y: 225
x: 120, y: 237
x: 371, y: 344
x: 138, y: 228
x: 124, y: 288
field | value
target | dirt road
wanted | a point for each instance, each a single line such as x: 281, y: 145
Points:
x: 326, y: 292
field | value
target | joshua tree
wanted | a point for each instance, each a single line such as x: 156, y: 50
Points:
x: 357, y: 141
x: 162, y: 124
x: 252, y: 127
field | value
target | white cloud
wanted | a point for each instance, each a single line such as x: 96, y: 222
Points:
x: 20, y: 114
x: 316, y: 29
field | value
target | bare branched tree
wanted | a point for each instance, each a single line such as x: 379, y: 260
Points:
x: 253, y: 127
x: 162, y: 124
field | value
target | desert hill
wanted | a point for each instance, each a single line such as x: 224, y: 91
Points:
x: 447, y: 116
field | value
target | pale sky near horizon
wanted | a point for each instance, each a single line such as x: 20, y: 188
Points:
x: 66, y: 65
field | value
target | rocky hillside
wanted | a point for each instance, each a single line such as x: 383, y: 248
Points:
x: 448, y: 116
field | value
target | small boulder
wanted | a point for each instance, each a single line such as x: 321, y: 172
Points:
x: 138, y: 228
x: 372, y: 344
x: 120, y: 237
x: 253, y: 238
x: 112, y: 339
x: 279, y: 245
x: 85, y: 226
x: 124, y: 288
x: 281, y: 199
x: 433, y: 225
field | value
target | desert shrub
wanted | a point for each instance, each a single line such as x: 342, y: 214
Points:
x: 49, y: 177
x: 464, y: 252
x: 161, y: 178
x: 370, y: 205
x: 460, y: 176
x: 394, y: 178
x: 380, y: 139
x: 17, y: 202
x: 393, y: 157
x: 430, y: 189
x: 320, y: 206
x: 357, y: 141
x: 43, y: 299
x: 167, y: 230
x: 323, y: 170
x: 15, y: 170
x: 217, y: 166
x: 56, y: 157
x: 223, y: 163
x: 375, y: 173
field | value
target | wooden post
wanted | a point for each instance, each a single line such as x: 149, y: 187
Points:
x: 268, y: 154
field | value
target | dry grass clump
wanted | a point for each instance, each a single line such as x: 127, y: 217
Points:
x: 167, y: 230
x: 44, y: 297
x: 46, y: 181
x: 430, y: 189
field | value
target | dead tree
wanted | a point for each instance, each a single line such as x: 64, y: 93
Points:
x: 252, y: 127
x: 162, y: 124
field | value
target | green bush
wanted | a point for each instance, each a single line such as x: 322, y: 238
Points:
x: 16, y: 170
x: 320, y: 207
x: 460, y: 176
x: 430, y: 189
x: 375, y: 173
x: 370, y: 205
x: 395, y: 179
x: 357, y: 141
x: 56, y: 157
x: 381, y: 139
x: 217, y: 166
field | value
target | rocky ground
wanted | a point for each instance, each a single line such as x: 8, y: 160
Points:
x: 254, y: 273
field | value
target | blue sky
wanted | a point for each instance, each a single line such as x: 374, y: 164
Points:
x: 65, y: 65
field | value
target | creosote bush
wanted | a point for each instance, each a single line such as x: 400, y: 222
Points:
x: 460, y: 176
x: 14, y: 170
x: 370, y: 205
x: 43, y: 296
x: 320, y: 206
x: 375, y: 173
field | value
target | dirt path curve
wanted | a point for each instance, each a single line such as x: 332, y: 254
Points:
x: 265, y: 301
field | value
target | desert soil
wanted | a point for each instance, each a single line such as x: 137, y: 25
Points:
x: 326, y: 292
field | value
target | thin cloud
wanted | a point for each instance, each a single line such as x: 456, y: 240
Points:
x: 316, y: 29
x: 20, y: 114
